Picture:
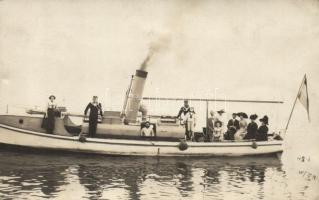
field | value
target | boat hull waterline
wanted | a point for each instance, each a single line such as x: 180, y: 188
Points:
x: 25, y: 138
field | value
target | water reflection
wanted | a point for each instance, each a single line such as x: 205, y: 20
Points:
x: 27, y: 175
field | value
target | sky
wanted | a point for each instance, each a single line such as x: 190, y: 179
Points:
x: 258, y: 50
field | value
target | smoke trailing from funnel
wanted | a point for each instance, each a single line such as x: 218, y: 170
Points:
x: 162, y: 43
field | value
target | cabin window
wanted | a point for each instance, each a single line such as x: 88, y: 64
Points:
x: 20, y: 121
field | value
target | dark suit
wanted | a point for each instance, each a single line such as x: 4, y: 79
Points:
x: 232, y: 127
x: 210, y: 127
x: 262, y: 134
x: 95, y: 110
x: 251, y: 131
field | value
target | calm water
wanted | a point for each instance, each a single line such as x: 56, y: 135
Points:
x: 29, y: 175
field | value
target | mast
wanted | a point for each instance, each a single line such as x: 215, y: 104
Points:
x: 293, y: 107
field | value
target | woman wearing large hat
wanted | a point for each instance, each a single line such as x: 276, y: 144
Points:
x: 241, y: 132
x: 252, y: 128
x: 262, y: 133
x: 51, y: 109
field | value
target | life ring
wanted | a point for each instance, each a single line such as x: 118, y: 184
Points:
x: 183, y: 146
x: 254, y: 145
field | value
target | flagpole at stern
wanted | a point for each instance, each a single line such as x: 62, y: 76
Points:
x: 293, y: 107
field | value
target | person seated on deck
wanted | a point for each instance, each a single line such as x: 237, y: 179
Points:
x: 222, y: 118
x: 262, y: 133
x: 147, y: 130
x: 241, y: 132
x: 252, y: 128
x: 232, y: 127
x: 218, y: 131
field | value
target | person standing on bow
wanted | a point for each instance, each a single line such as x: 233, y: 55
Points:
x: 183, y: 113
x: 95, y: 109
x: 51, y: 109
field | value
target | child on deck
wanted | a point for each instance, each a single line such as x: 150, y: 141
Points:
x: 218, y: 132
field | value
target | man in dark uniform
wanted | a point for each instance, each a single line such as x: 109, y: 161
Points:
x: 262, y: 134
x: 210, y: 126
x: 95, y: 109
x: 184, y: 111
x: 252, y: 128
x: 232, y: 127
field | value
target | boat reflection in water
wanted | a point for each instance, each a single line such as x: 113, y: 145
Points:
x: 31, y: 175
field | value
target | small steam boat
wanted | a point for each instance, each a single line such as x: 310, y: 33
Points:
x: 119, y: 133
x: 23, y: 135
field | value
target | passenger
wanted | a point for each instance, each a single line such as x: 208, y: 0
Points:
x: 184, y: 110
x: 210, y: 126
x: 147, y: 130
x: 191, y: 122
x: 95, y: 109
x: 51, y: 109
x: 182, y: 114
x: 241, y: 132
x: 232, y: 127
x: 252, y: 128
x: 218, y: 131
x: 262, y: 133
x: 223, y: 118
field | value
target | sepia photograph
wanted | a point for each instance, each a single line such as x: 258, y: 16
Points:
x: 159, y: 99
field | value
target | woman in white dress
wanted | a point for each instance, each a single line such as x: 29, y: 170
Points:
x: 240, y: 134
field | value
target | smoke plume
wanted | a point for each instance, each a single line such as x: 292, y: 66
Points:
x: 155, y: 47
x: 174, y: 27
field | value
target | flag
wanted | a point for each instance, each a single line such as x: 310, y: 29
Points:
x: 303, y: 95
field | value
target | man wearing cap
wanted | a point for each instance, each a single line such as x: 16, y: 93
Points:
x: 95, y: 109
x: 183, y: 112
x: 232, y: 127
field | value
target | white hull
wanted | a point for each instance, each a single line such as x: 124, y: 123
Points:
x: 20, y: 137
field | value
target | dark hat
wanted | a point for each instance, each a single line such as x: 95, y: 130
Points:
x: 52, y: 96
x: 185, y: 100
x: 221, y: 111
x: 264, y: 119
x: 244, y: 115
x: 253, y: 117
x: 95, y: 96
x: 234, y: 114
